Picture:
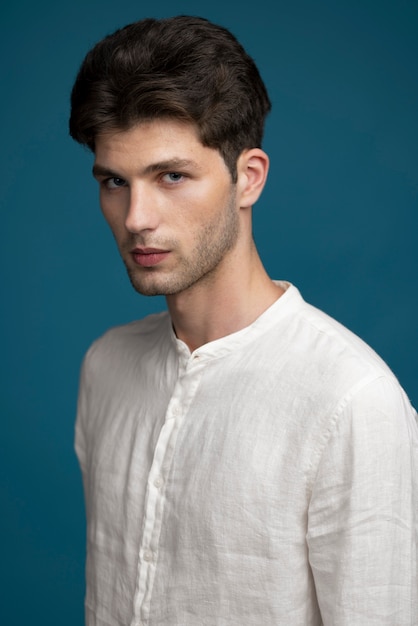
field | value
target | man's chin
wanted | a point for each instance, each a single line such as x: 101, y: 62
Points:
x: 147, y: 290
x: 151, y: 286
x: 145, y: 283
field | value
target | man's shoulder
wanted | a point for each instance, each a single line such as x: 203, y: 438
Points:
x: 338, y: 342
x: 136, y: 337
x: 323, y: 350
x: 332, y: 366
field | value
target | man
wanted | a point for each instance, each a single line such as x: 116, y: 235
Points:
x: 246, y: 459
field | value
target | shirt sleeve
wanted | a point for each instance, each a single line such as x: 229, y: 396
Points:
x: 363, y: 514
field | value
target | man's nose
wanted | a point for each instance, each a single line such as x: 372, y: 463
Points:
x: 142, y: 212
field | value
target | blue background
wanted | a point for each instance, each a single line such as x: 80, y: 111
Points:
x: 338, y: 218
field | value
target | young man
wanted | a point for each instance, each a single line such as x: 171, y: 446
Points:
x: 246, y: 459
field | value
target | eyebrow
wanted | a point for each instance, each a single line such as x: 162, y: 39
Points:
x: 160, y: 166
x: 99, y: 170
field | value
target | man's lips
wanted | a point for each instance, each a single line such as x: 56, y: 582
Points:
x: 148, y: 257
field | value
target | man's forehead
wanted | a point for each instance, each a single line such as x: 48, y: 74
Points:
x: 152, y: 145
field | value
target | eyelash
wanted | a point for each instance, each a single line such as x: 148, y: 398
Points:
x: 106, y: 182
x: 173, y: 182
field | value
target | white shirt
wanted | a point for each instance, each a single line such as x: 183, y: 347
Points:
x: 268, y: 478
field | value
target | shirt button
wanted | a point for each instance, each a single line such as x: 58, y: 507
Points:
x: 176, y: 410
x: 147, y: 556
x: 158, y: 482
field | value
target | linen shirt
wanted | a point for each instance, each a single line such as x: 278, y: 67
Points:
x: 268, y: 478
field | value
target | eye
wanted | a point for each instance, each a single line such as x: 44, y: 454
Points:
x: 172, y: 177
x: 114, y: 182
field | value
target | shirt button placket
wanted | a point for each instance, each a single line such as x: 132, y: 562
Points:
x: 176, y: 411
x: 158, y: 482
x: 148, y: 556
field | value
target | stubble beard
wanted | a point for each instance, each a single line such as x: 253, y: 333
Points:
x: 215, y: 240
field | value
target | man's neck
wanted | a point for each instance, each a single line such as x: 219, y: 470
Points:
x: 222, y: 304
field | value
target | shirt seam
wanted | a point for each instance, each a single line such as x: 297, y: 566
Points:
x: 334, y: 420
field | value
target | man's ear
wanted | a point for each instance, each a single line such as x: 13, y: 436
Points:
x: 252, y: 170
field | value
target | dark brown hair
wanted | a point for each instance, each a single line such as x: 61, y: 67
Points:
x: 181, y: 67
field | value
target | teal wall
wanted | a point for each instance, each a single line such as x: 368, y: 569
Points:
x: 339, y: 219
